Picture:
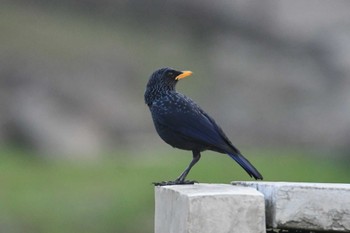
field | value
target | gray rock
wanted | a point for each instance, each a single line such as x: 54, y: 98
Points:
x: 208, y: 208
x: 310, y: 206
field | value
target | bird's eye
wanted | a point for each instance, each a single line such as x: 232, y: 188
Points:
x: 170, y: 74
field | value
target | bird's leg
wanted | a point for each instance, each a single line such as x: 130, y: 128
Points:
x: 182, y: 177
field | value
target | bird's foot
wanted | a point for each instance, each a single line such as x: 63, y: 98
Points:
x: 175, y: 182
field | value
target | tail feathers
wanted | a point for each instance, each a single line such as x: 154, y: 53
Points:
x: 246, y: 165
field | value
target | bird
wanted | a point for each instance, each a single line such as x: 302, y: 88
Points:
x: 182, y: 124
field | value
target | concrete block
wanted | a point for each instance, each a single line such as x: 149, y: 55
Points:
x: 209, y: 208
x: 311, y: 206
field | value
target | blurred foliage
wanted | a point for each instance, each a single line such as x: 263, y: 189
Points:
x: 115, y: 194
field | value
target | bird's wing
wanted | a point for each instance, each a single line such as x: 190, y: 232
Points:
x: 191, y: 122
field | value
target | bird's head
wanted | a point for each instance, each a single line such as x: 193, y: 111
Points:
x: 161, y: 81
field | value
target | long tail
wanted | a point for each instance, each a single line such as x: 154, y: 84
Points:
x: 246, y: 165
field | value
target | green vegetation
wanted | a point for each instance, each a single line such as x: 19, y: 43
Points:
x: 115, y: 194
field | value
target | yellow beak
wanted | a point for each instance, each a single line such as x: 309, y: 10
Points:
x: 184, y: 74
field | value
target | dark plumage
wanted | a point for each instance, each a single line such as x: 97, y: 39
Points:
x: 181, y: 123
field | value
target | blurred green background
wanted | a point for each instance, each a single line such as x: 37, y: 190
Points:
x: 78, y: 150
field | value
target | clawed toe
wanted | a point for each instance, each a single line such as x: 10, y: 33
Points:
x: 175, y: 182
x: 189, y: 182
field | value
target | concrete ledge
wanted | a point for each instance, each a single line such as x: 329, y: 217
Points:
x: 209, y: 208
x: 309, y: 206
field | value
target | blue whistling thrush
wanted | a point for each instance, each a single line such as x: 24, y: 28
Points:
x: 181, y: 123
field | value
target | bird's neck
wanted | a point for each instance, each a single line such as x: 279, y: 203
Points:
x: 152, y: 95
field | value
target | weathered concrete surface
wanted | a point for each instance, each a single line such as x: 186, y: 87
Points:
x: 313, y: 206
x: 209, y: 208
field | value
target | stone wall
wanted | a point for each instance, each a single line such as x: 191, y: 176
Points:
x: 252, y: 207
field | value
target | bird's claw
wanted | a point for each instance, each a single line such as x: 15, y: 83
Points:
x: 175, y: 182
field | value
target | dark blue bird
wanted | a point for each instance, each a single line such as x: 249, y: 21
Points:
x: 181, y: 123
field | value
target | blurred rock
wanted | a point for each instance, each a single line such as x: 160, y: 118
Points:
x: 278, y: 72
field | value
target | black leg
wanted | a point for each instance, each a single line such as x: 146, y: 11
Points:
x: 196, y: 157
x: 182, y: 177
